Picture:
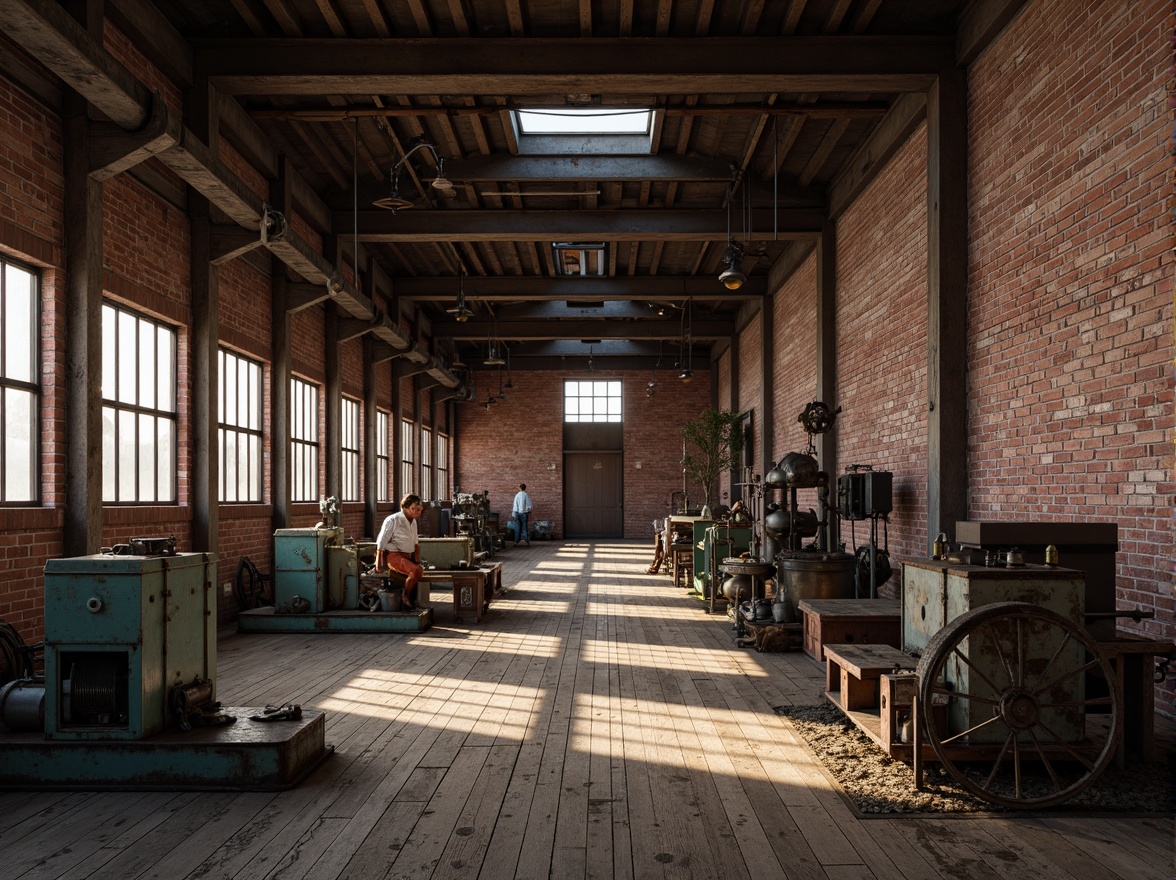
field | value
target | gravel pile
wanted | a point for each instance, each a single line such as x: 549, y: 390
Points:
x: 877, y: 784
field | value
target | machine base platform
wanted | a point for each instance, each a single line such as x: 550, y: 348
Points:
x: 244, y: 756
x: 264, y: 620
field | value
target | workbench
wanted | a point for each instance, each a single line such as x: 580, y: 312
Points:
x: 473, y: 588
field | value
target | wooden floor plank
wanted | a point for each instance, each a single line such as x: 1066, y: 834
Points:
x: 596, y: 723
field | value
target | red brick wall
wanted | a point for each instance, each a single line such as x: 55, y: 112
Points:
x: 881, y: 330
x: 794, y: 360
x: 1070, y: 290
x: 519, y: 440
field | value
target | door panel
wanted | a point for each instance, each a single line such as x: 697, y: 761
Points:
x: 592, y: 495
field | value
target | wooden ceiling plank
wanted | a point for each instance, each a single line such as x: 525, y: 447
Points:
x: 792, y: 18
x: 702, y: 18
x: 585, y: 18
x: 625, y: 19
x: 375, y: 14
x: 283, y: 15
x: 665, y: 9
x: 514, y: 17
x: 314, y: 142
x: 420, y: 18
x: 752, y: 12
x: 245, y: 9
x: 457, y: 14
x: 865, y: 15
x: 836, y: 16
x: 821, y: 153
x: 331, y: 17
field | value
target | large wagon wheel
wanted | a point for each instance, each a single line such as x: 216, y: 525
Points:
x: 1019, y: 684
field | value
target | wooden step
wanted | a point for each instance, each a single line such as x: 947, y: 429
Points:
x: 852, y: 672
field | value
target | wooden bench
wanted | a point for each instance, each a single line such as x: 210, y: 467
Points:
x: 850, y: 621
x: 852, y: 673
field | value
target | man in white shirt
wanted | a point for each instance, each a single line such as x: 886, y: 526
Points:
x: 398, y: 547
x: 521, y: 510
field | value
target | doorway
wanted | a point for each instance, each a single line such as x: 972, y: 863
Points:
x: 593, y: 503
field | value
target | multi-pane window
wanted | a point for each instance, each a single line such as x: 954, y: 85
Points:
x: 406, y: 474
x: 592, y: 401
x: 138, y: 408
x: 382, y: 472
x: 239, y: 427
x: 442, y: 466
x: 426, y: 464
x: 349, y: 433
x: 303, y: 441
x: 20, y: 393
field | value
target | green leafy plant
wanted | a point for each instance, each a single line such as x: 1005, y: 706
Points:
x: 717, y: 440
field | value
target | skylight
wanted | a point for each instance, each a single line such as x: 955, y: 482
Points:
x: 572, y: 131
x: 583, y: 120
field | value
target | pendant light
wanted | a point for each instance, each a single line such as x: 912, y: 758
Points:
x: 460, y: 313
x: 687, y: 374
x: 492, y: 357
x: 509, y: 384
x: 394, y: 201
x: 732, y: 277
x: 651, y: 388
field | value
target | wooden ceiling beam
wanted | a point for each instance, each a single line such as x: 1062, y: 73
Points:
x: 734, y: 65
x: 645, y: 288
x: 647, y: 224
x: 472, y: 330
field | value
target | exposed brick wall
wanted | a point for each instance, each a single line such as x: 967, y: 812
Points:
x: 32, y: 179
x: 519, y: 439
x: 1070, y: 380
x: 751, y: 388
x: 881, y: 344
x: 794, y: 359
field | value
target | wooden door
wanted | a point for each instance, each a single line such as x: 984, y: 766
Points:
x: 592, y: 495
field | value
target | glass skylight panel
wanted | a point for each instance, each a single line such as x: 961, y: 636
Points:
x: 583, y: 120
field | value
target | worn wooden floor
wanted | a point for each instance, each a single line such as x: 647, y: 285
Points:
x: 596, y: 724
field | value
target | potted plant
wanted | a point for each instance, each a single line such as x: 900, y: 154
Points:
x: 717, y: 442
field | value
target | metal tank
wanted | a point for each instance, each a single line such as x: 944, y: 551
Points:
x: 814, y: 575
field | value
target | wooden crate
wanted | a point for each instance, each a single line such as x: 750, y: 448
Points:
x: 850, y: 622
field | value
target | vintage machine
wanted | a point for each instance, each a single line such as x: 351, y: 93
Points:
x: 122, y: 633
x: 819, y: 569
x: 128, y: 698
x: 471, y: 519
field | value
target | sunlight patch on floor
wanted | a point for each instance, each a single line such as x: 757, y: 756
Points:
x: 680, y: 659
x: 496, y: 642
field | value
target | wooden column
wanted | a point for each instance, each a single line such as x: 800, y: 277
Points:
x: 280, y: 391
x: 203, y: 119
x: 767, y: 383
x: 82, y: 528
x: 827, y: 355
x: 947, y: 288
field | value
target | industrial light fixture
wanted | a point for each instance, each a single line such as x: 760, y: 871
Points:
x: 501, y: 393
x: 652, y: 386
x: 394, y: 201
x: 460, y: 313
x: 687, y: 374
x: 492, y: 357
x: 732, y: 277
x: 509, y: 384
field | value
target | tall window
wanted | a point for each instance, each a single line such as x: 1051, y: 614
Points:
x: 303, y: 441
x: 20, y: 393
x: 427, y: 464
x: 442, y: 466
x: 239, y: 417
x: 406, y: 481
x: 592, y: 401
x: 382, y: 472
x: 349, y: 431
x: 138, y: 408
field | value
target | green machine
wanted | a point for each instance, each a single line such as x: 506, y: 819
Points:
x: 714, y: 542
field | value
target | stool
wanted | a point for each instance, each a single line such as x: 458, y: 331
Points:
x: 683, y: 564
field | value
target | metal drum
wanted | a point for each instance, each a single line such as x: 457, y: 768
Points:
x: 814, y: 575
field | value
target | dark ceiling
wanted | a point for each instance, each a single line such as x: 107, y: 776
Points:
x: 761, y: 109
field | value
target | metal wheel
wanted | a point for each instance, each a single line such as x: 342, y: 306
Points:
x: 1017, y: 691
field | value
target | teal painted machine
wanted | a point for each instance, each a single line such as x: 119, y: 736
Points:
x: 128, y: 699
x: 120, y: 633
x: 314, y: 571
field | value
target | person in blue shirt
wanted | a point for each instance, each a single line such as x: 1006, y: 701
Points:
x: 521, y: 510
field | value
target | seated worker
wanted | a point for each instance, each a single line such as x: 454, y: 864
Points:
x: 398, y: 547
x: 659, y: 553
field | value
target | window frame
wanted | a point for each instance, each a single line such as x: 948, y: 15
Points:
x: 349, y: 457
x: 441, y: 465
x: 407, y: 471
x: 114, y: 360
x: 32, y: 387
x: 428, y: 490
x: 252, y: 432
x: 383, y: 455
x: 613, y: 391
x: 304, y: 450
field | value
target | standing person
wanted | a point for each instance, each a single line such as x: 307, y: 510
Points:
x: 397, y: 546
x: 522, y: 510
